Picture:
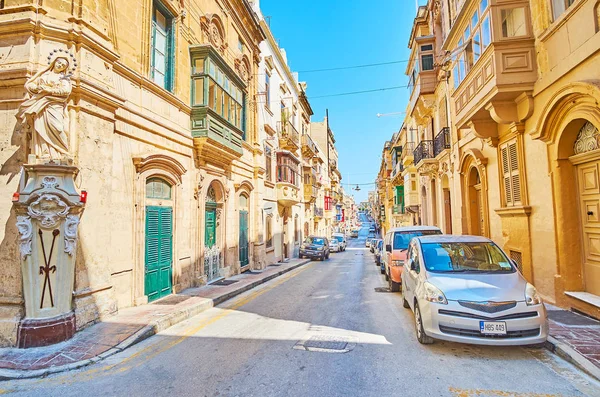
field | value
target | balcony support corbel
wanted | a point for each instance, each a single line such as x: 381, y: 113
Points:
x: 486, y: 129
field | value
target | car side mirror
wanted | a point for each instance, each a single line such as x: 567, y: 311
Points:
x: 388, y: 247
x: 411, y: 264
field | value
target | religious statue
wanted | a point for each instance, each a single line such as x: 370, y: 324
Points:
x: 45, y: 112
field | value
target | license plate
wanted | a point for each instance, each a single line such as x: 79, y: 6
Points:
x: 492, y: 327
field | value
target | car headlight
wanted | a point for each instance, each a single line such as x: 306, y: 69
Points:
x: 434, y: 294
x: 531, y: 295
x: 397, y: 263
x: 321, y: 248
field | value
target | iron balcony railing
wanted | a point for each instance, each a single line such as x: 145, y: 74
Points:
x: 423, y: 151
x: 441, y: 141
x: 319, y: 212
x: 288, y: 131
x: 408, y: 149
x: 308, y: 145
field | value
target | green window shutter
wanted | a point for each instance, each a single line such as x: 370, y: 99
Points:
x: 152, y: 238
x: 210, y: 228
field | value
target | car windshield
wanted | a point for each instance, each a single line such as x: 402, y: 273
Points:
x: 465, y: 257
x: 315, y: 240
x: 338, y: 238
x: 401, y: 239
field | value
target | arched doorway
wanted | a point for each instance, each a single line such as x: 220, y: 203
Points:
x: 475, y: 203
x: 212, y: 239
x: 158, y: 258
x: 243, y: 232
x: 447, y: 205
x: 586, y: 160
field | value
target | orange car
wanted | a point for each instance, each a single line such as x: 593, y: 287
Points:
x: 395, y: 244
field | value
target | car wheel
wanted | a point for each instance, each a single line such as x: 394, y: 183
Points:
x: 327, y: 256
x: 394, y: 286
x: 382, y: 270
x: 421, y: 336
x: 405, y: 302
x: 299, y: 256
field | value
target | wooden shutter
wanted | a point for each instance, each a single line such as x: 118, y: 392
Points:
x: 511, y: 177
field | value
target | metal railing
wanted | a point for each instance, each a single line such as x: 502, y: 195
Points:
x: 424, y: 150
x: 288, y: 131
x: 441, y: 141
x: 408, y: 149
x: 308, y: 144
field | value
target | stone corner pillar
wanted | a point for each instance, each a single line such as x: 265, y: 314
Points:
x: 48, y: 209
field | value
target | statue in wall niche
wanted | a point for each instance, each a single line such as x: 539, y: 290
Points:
x: 45, y: 112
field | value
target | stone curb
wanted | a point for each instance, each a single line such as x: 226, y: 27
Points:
x: 149, y: 330
x: 571, y: 355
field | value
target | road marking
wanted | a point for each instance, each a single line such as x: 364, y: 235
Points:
x: 496, y: 393
x: 157, y: 348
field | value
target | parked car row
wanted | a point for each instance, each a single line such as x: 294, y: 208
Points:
x: 460, y: 288
x: 316, y: 247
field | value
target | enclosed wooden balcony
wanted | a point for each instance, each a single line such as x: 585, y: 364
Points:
x: 408, y: 154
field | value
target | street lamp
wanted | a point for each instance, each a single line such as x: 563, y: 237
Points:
x: 357, y: 188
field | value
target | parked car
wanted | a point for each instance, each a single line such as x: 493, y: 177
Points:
x: 315, y: 247
x: 341, y: 239
x: 334, y: 245
x: 354, y: 233
x: 465, y: 289
x: 368, y: 241
x: 378, y: 251
x: 396, y: 243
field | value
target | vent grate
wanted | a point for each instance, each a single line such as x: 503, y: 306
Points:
x: 518, y: 258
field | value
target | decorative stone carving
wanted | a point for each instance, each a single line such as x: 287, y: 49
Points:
x: 242, y: 65
x: 44, y: 112
x: 213, y: 28
x: 26, y: 232
x: 588, y: 139
x: 48, y: 209
x: 71, y: 225
x: 49, y: 182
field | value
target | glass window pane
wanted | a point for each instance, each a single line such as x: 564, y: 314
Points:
x: 159, y: 62
x: 482, y: 6
x: 476, y: 46
x: 513, y: 22
x: 199, y: 91
x: 239, y: 116
x: 211, y: 69
x: 159, y: 78
x: 212, y: 87
x: 160, y: 41
x: 427, y: 61
x: 474, y: 19
x: 467, y: 33
x: 226, y: 107
x: 461, y: 67
x: 486, y: 37
x: 161, y: 20
x: 219, y: 100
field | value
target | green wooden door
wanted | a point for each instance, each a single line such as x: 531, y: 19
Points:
x: 212, y: 259
x: 159, y: 252
x: 244, y: 238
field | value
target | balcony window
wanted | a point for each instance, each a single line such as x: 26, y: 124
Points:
x: 162, y: 61
x: 427, y: 47
x: 560, y: 6
x: 268, y: 166
x: 287, y: 169
x: 514, y: 22
x: 213, y: 89
x: 486, y: 33
x: 427, y: 62
x: 268, y: 91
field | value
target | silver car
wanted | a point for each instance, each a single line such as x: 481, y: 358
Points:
x: 465, y: 289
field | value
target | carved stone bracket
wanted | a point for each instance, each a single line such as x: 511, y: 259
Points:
x: 26, y: 232
x: 71, y: 225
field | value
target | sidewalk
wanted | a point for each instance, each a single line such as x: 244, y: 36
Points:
x: 131, y: 326
x: 575, y: 338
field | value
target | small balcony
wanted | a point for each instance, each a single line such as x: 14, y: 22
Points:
x: 423, y: 151
x: 309, y: 148
x: 311, y: 192
x: 441, y: 141
x: 289, y: 138
x: 408, y: 153
x: 288, y: 191
x: 318, y: 212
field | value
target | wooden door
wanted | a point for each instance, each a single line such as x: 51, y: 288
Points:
x: 243, y: 238
x: 212, y: 256
x: 447, y: 212
x: 589, y: 197
x: 159, y: 252
x: 479, y: 213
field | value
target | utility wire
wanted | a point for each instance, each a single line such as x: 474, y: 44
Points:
x: 357, y: 92
x: 352, y: 67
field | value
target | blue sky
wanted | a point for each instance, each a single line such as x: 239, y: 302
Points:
x: 319, y: 34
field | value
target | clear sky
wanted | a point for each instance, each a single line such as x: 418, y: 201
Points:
x: 320, y: 34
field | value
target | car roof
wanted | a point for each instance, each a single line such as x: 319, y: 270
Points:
x: 338, y: 234
x: 316, y: 237
x: 449, y: 238
x: 414, y: 228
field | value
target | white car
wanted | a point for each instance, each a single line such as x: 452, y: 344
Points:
x: 341, y: 239
x: 334, y: 245
x: 465, y: 289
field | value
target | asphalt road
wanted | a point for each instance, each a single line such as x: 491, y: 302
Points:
x: 325, y: 329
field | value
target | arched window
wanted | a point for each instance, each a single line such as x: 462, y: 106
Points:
x: 157, y: 188
x: 243, y: 202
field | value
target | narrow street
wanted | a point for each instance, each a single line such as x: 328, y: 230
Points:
x: 253, y: 346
